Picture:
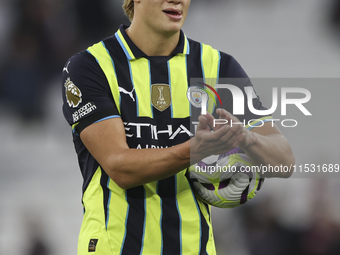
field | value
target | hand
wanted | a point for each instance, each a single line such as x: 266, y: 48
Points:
x: 246, y: 137
x: 214, y: 139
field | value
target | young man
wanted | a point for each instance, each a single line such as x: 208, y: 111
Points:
x: 126, y: 99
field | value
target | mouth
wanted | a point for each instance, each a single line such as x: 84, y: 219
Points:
x: 173, y: 14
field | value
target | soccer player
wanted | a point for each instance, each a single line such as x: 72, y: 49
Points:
x: 126, y: 99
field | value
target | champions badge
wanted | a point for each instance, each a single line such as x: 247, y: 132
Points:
x: 195, y: 95
x: 160, y: 96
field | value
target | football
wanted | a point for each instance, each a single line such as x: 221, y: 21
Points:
x: 226, y: 180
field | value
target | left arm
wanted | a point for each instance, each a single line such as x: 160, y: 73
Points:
x: 266, y: 146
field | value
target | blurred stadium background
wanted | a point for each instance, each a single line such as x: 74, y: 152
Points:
x: 40, y: 183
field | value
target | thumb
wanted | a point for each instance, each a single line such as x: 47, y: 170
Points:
x: 205, y: 122
x: 202, y: 123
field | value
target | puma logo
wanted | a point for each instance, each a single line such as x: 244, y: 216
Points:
x: 66, y: 67
x: 127, y: 93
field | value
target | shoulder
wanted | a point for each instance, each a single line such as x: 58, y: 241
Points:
x: 83, y: 71
x: 199, y: 47
x: 229, y: 67
x: 87, y: 59
x: 79, y: 63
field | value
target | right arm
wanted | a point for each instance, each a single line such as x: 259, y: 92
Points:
x: 106, y: 141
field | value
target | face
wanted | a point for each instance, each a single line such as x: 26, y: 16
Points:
x: 162, y: 16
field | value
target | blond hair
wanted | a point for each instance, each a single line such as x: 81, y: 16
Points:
x: 128, y: 7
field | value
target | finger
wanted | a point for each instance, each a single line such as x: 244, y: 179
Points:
x: 213, y: 139
x: 227, y: 132
x: 233, y: 135
x: 219, y: 123
x: 226, y: 115
x: 205, y: 122
x: 215, y: 124
x: 202, y: 123
x: 224, y: 118
x: 220, y: 141
x: 220, y: 132
x: 210, y: 119
x: 223, y: 114
x: 230, y: 140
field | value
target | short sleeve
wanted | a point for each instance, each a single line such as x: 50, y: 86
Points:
x: 232, y: 73
x: 87, y: 97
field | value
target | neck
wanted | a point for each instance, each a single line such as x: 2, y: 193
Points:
x: 151, y: 42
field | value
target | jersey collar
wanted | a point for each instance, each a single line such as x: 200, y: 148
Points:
x: 132, y: 51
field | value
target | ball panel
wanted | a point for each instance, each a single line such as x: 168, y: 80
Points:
x: 221, y: 180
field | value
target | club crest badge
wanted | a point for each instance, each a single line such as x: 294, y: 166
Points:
x: 194, y: 95
x: 73, y: 93
x: 160, y: 96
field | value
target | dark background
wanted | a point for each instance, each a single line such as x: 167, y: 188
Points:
x: 274, y: 40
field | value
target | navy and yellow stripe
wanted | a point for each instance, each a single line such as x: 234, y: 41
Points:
x: 161, y: 217
x: 100, y: 52
x: 210, y: 61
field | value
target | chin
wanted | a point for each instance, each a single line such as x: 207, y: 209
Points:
x: 173, y: 28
